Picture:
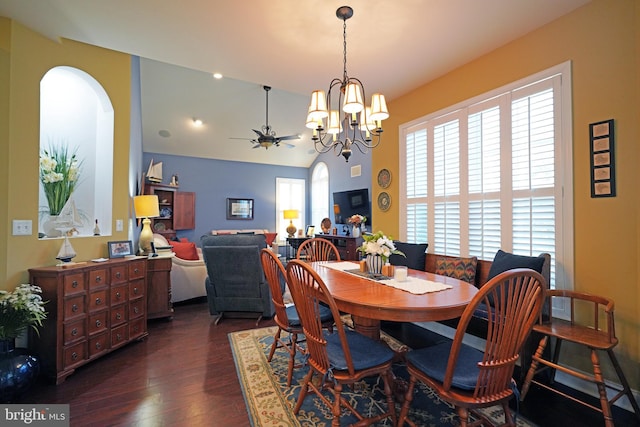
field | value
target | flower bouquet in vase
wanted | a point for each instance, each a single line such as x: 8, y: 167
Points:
x: 356, y: 221
x: 378, y: 248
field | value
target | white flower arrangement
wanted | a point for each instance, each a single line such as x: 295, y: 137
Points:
x: 19, y: 309
x: 379, y: 244
x: 59, y: 174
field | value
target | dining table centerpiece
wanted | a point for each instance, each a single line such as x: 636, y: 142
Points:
x: 357, y: 221
x: 377, y: 248
x: 19, y: 310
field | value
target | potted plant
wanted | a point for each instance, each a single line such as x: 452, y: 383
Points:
x: 19, y: 310
x: 378, y: 248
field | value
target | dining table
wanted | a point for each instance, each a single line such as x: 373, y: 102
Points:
x: 369, y: 300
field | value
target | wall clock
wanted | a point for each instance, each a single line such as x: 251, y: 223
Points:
x: 384, y: 201
x: 384, y: 178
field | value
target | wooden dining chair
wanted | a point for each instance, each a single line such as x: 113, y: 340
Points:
x: 340, y: 358
x: 469, y: 378
x: 586, y: 330
x: 286, y: 318
x: 318, y: 249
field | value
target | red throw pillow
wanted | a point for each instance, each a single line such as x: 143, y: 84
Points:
x: 185, y: 250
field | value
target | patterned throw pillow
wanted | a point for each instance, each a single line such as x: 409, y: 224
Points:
x: 458, y: 268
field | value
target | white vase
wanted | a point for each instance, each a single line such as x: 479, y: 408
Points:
x: 374, y: 264
x: 355, y: 232
x: 49, y: 226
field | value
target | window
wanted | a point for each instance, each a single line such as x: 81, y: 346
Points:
x: 290, y: 194
x: 494, y: 172
x: 319, y: 194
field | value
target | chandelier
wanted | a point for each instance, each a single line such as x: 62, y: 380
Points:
x: 340, y: 127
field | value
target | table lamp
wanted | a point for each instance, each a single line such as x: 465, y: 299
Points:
x: 291, y: 214
x: 146, y: 207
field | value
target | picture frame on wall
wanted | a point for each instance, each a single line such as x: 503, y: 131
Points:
x: 120, y: 249
x: 239, y: 209
x: 601, y: 147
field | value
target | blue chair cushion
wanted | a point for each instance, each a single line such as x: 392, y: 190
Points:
x: 365, y: 352
x: 294, y: 318
x: 415, y: 255
x: 433, y: 362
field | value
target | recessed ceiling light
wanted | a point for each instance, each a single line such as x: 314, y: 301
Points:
x: 217, y: 75
x: 197, y: 122
x: 164, y: 133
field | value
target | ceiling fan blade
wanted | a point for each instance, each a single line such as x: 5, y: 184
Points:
x: 259, y: 133
x: 244, y: 139
x: 284, y: 138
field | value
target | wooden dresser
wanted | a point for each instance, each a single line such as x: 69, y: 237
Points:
x: 92, y: 309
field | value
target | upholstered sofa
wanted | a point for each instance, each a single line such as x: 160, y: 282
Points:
x: 187, y: 275
x: 269, y: 237
x: 235, y: 282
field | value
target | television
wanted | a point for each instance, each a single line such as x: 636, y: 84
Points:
x: 352, y: 202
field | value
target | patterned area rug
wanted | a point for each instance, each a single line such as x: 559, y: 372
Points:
x: 270, y: 402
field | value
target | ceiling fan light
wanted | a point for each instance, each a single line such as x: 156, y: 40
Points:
x: 379, y: 107
x: 335, y: 124
x: 318, y: 106
x: 353, y: 99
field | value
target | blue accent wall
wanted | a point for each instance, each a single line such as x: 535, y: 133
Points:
x: 215, y: 180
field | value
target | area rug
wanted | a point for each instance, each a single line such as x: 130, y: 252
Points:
x: 270, y: 401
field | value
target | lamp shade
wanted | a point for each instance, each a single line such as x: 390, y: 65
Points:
x: 335, y: 125
x: 290, y: 214
x: 146, y: 206
x: 352, y: 99
x: 379, y: 107
x: 318, y: 106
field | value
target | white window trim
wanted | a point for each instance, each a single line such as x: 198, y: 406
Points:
x: 564, y: 272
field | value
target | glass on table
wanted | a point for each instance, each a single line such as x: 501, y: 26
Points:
x: 401, y: 273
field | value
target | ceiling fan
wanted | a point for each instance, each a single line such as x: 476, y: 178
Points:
x: 266, y: 136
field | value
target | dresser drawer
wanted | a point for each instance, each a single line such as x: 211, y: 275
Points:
x: 118, y: 315
x: 119, y: 294
x: 119, y: 335
x: 136, y: 289
x: 136, y: 328
x: 74, y: 283
x: 97, y: 300
x: 98, y: 322
x: 74, y: 331
x: 137, y: 270
x: 74, y: 307
x: 74, y: 354
x: 98, y: 344
x: 97, y: 278
x: 118, y: 274
x: 136, y: 308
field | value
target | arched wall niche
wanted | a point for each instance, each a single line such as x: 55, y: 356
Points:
x: 76, y: 116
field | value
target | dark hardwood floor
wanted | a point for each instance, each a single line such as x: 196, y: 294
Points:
x: 183, y: 374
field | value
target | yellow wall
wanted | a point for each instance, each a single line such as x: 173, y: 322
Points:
x: 25, y: 57
x: 601, y: 39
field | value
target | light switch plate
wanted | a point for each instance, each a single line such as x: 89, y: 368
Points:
x: 22, y: 227
x: 119, y: 225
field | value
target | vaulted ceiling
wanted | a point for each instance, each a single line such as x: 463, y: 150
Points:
x: 292, y: 46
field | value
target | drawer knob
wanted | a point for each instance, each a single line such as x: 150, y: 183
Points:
x: 74, y: 284
x: 98, y: 346
x: 98, y: 323
x: 135, y: 310
x: 118, y: 274
x: 135, y: 291
x: 74, y: 308
x: 74, y: 355
x: 119, y: 337
x: 135, y: 270
x: 98, y: 279
x: 74, y: 331
x: 98, y: 301
x: 118, y: 295
x: 118, y: 316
